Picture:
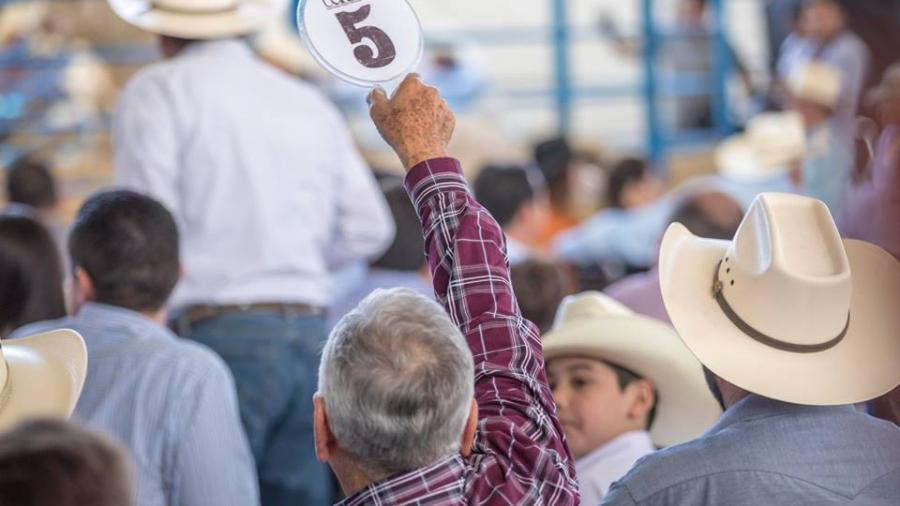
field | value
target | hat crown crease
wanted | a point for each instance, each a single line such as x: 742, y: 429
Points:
x: 786, y: 273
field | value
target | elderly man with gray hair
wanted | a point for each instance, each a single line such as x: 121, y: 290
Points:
x: 420, y: 404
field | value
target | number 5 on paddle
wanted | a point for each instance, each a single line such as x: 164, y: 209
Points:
x: 364, y: 42
x: 364, y: 54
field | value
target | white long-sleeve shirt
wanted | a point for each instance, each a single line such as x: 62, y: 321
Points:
x: 260, y: 171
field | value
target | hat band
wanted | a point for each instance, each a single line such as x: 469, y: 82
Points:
x: 190, y: 12
x: 761, y: 337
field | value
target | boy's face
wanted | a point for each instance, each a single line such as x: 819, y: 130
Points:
x: 591, y: 407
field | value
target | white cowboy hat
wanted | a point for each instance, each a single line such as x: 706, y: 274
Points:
x: 198, y: 19
x: 593, y: 325
x: 41, y: 376
x: 787, y: 310
x: 816, y: 82
x: 771, y: 143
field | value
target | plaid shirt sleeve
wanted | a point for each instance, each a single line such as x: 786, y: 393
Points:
x: 517, y: 417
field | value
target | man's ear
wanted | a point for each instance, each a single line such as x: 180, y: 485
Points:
x: 324, y: 438
x: 83, y: 290
x: 468, y: 437
x: 643, y: 399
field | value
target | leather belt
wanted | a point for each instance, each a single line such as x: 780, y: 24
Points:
x: 198, y: 313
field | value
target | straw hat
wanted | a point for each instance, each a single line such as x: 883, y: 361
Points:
x: 41, y: 376
x: 787, y: 310
x: 198, y: 19
x: 593, y: 325
x: 771, y: 143
x: 816, y: 82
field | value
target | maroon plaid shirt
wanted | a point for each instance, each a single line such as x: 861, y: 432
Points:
x: 520, y: 455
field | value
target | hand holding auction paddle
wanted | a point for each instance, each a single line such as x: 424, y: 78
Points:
x: 415, y: 121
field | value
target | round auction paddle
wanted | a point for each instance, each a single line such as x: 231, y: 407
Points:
x: 363, y: 42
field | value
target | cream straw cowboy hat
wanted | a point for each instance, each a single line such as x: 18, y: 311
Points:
x: 41, y: 376
x: 771, y: 144
x: 816, y: 82
x: 198, y: 19
x: 592, y: 325
x: 787, y: 310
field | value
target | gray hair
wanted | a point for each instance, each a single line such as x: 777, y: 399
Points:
x: 397, y: 379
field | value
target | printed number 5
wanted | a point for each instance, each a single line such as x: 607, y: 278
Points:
x: 364, y: 54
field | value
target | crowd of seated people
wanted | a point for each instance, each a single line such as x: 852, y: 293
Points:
x: 188, y: 349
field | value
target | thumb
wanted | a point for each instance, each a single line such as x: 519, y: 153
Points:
x: 377, y: 98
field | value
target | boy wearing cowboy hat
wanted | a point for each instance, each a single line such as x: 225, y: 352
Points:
x: 624, y: 385
x: 814, y: 90
x: 794, y: 325
x: 262, y: 175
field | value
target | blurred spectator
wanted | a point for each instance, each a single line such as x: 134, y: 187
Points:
x: 508, y: 194
x: 401, y: 266
x: 814, y: 91
x: 454, y: 70
x: 31, y: 190
x: 555, y: 159
x: 825, y: 37
x: 623, y: 384
x: 540, y: 286
x: 31, y: 274
x: 631, y: 185
x: 689, y: 55
x: 172, y: 402
x: 262, y: 176
x: 48, y: 463
x: 782, y: 20
x: 713, y: 215
x: 873, y: 210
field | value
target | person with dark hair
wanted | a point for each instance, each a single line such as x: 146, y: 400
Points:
x: 540, y: 287
x: 625, y: 232
x: 31, y: 275
x: 401, y: 266
x: 624, y: 384
x: 508, y: 194
x: 31, y: 191
x: 51, y: 463
x: 172, y: 402
x: 631, y: 185
x: 709, y: 214
x: 556, y: 161
x: 272, y: 196
x: 29, y: 182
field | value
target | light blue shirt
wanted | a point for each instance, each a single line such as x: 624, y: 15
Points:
x: 827, y: 168
x: 172, y: 403
x: 766, y: 452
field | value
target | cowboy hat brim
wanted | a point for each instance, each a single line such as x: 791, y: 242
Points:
x: 651, y: 349
x: 737, y: 159
x: 246, y: 18
x: 861, y: 367
x: 46, y: 373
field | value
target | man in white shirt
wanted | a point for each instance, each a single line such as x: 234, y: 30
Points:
x: 624, y: 385
x: 270, y: 194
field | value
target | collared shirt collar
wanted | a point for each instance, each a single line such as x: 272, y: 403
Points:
x: 635, y: 441
x: 104, y: 315
x: 232, y: 46
x: 757, y: 407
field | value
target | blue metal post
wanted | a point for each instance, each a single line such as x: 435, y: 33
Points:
x: 560, y: 35
x: 655, y: 138
x: 722, y: 66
